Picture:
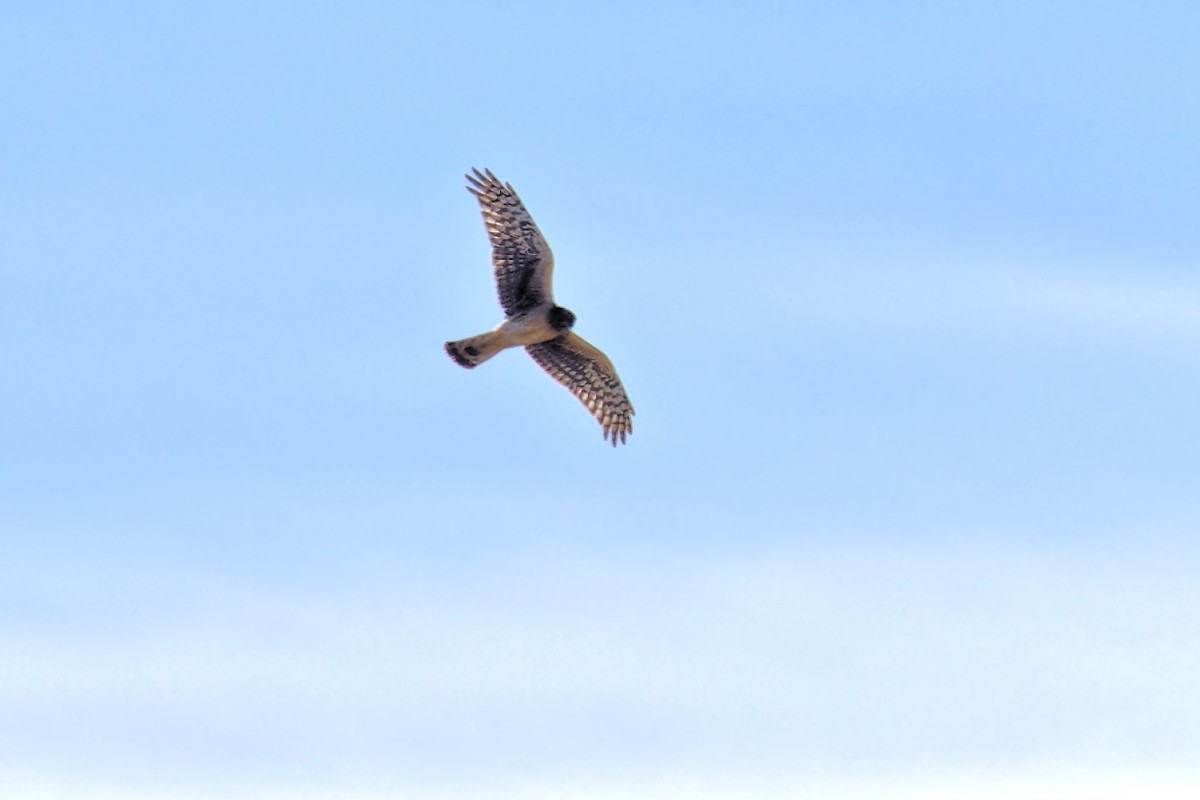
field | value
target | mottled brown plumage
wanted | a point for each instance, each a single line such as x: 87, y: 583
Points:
x: 523, y: 266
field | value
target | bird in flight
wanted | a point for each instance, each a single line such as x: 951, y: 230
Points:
x: 523, y: 265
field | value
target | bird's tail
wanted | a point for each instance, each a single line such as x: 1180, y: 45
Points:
x: 474, y: 350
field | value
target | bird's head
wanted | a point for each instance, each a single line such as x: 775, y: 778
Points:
x: 561, y: 319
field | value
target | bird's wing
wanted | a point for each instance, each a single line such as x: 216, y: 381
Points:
x: 590, y: 376
x: 522, y: 258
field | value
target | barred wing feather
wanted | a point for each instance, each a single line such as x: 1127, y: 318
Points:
x: 590, y: 376
x: 522, y: 260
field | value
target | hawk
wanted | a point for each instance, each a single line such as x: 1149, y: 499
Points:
x: 523, y: 265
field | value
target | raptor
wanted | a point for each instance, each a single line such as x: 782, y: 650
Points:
x: 523, y: 265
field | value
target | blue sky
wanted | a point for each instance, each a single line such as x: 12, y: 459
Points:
x: 906, y: 296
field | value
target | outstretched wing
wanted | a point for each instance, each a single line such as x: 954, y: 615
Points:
x: 590, y: 376
x: 522, y: 258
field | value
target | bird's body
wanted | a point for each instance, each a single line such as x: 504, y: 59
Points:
x: 523, y: 267
x: 530, y: 327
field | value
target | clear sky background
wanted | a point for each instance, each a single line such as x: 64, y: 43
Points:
x: 906, y: 294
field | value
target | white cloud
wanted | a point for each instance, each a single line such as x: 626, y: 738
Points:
x: 713, y: 669
x: 1150, y: 308
x: 1100, y: 783
x: 914, y: 288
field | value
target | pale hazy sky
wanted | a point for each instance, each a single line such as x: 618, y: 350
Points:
x: 907, y: 296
